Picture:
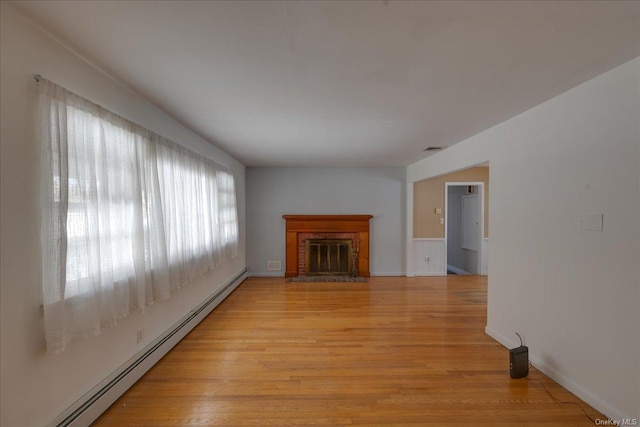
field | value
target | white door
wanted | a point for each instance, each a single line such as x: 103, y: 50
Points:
x: 471, y: 223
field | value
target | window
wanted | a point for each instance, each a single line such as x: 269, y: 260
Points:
x: 128, y: 216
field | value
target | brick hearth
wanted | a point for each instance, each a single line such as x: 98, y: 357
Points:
x: 302, y: 267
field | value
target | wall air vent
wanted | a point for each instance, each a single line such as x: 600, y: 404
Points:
x: 274, y: 266
x: 434, y: 148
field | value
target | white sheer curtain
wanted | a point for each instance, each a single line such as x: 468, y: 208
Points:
x: 127, y: 216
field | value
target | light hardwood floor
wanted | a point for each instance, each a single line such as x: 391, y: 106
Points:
x: 393, y: 351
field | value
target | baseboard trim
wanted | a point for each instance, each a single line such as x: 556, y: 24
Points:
x: 281, y: 274
x: 431, y: 274
x: 607, y: 409
x: 457, y: 270
x: 263, y: 274
x: 88, y: 408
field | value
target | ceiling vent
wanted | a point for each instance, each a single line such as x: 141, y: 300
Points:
x: 434, y: 148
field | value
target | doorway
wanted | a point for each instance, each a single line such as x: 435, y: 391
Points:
x: 464, y: 227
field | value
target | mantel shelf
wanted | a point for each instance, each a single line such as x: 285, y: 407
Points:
x: 328, y: 217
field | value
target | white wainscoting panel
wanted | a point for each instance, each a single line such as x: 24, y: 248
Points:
x: 429, y: 257
x: 485, y: 256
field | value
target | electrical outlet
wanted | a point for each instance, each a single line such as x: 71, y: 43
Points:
x: 140, y: 335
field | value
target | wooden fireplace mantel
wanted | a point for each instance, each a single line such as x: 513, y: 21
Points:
x: 326, y: 224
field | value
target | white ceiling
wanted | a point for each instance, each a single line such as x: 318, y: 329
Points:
x: 358, y: 83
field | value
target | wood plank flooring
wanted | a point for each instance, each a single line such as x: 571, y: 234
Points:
x: 393, y: 351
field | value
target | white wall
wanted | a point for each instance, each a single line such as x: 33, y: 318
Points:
x: 572, y: 294
x: 273, y: 192
x: 37, y: 387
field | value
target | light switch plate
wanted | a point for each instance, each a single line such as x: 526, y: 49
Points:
x: 591, y: 221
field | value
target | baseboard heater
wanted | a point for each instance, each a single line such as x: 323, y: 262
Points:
x: 95, y: 402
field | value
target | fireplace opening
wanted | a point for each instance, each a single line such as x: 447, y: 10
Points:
x: 328, y: 257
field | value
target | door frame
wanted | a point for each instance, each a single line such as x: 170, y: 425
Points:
x: 481, y: 254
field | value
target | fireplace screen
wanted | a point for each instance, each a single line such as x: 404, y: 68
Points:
x: 328, y: 257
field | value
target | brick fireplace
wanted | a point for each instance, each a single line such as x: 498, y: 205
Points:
x: 322, y: 233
